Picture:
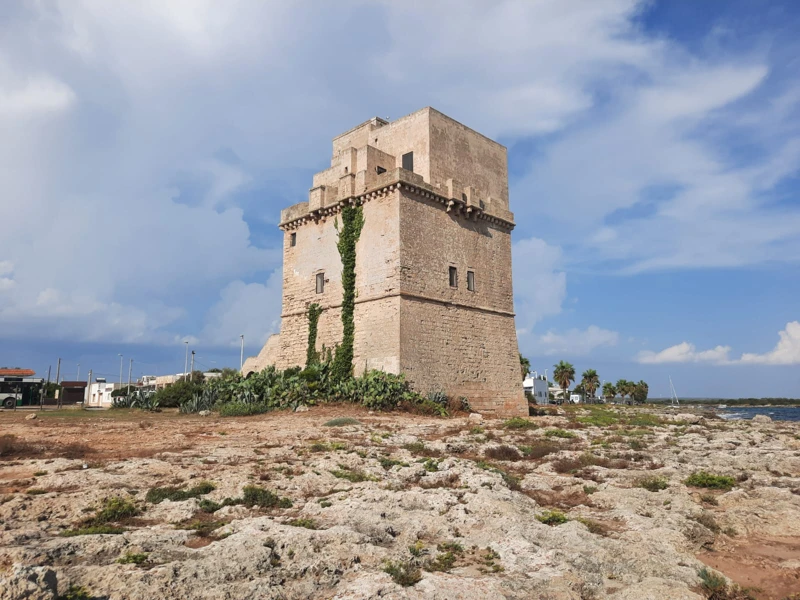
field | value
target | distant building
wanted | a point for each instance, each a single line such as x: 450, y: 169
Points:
x: 73, y: 392
x: 575, y: 398
x: 536, y: 385
x: 98, y: 394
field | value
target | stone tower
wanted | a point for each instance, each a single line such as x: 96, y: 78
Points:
x: 433, y: 263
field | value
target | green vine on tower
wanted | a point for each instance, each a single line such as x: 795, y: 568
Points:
x: 352, y: 223
x: 312, y: 356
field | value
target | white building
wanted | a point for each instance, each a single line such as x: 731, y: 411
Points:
x: 98, y: 394
x: 537, y: 386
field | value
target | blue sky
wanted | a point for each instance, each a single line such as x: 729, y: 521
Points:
x: 654, y: 149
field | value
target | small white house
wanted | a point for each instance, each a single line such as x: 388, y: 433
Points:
x: 575, y: 398
x: 99, y: 393
x: 537, y: 386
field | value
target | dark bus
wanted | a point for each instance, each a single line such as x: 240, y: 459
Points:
x: 20, y: 391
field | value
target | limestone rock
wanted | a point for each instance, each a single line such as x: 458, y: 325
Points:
x: 29, y: 583
x: 762, y: 419
x: 301, y: 408
x: 475, y: 417
x: 687, y: 418
x: 204, y: 413
x: 31, y: 417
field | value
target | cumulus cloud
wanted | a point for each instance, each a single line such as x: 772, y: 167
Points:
x: 253, y: 310
x: 540, y: 286
x: 786, y: 352
x: 140, y: 176
x: 685, y: 353
x: 575, y: 342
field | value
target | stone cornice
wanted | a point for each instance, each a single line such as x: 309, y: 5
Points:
x: 455, y: 206
x: 409, y: 296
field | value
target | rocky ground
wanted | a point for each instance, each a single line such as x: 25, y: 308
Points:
x: 585, y: 504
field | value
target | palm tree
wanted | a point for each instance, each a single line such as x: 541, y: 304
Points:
x: 564, y: 374
x: 622, y: 388
x: 609, y: 391
x: 590, y: 382
x: 640, y: 391
x: 524, y: 366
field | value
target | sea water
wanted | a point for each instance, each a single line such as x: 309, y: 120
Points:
x: 776, y: 413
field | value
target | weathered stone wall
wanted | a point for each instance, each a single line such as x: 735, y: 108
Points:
x: 377, y: 276
x: 464, y: 352
x: 451, y: 338
x: 460, y: 153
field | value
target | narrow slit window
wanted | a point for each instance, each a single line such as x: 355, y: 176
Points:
x: 293, y: 240
x: 380, y: 170
x: 408, y: 161
x: 453, y: 277
x: 471, y: 281
x: 320, y: 282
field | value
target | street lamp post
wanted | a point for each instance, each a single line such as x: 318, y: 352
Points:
x: 241, y: 356
x: 186, y: 361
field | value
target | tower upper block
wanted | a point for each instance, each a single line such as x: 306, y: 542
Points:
x: 433, y: 264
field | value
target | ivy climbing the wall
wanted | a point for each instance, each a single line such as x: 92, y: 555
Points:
x: 352, y: 222
x: 312, y: 356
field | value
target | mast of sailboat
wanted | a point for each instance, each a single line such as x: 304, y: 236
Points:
x: 674, y: 400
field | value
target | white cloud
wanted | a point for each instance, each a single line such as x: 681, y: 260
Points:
x: 786, y: 352
x: 539, y: 286
x: 129, y: 225
x: 37, y: 95
x: 251, y: 309
x: 685, y: 353
x: 574, y: 342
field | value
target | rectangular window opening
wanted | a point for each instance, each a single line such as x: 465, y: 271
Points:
x: 453, y: 277
x: 320, y: 282
x: 408, y: 161
x: 471, y: 281
x: 293, y: 240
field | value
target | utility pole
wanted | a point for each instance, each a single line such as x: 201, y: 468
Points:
x: 241, y: 358
x: 58, y: 370
x: 88, y: 389
x: 47, y: 385
x: 130, y: 369
x: 191, y: 371
x: 186, y: 360
x: 78, y: 375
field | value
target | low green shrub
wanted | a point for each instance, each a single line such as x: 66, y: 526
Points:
x: 708, y: 480
x: 76, y: 592
x: 131, y: 558
x: 552, y: 517
x: 93, y: 530
x: 240, y: 409
x: 158, y: 494
x: 518, y: 423
x: 652, y: 484
x: 341, y: 422
x: 559, y: 433
x: 114, y: 509
x: 304, y: 523
x: 351, y: 475
x: 257, y: 496
x: 404, y: 573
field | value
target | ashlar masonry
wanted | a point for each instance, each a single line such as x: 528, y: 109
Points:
x: 433, y: 262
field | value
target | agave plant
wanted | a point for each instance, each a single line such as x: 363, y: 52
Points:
x: 123, y: 401
x: 145, y: 400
